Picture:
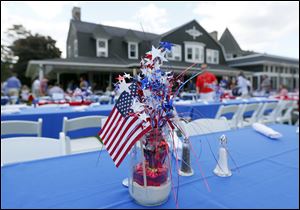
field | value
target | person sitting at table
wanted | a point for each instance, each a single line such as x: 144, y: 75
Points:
x: 224, y: 83
x: 204, y: 85
x: 54, y: 89
x: 283, y: 91
x: 83, y: 84
x: 43, y: 86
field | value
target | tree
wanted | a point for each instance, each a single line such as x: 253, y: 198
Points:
x: 27, y: 46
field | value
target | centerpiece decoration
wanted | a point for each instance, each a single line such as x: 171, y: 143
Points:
x: 142, y: 122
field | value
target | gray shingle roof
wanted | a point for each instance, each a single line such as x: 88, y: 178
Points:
x: 87, y: 27
x: 229, y: 43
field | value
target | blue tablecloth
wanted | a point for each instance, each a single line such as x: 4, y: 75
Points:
x: 209, y: 109
x: 53, y: 118
x: 268, y: 177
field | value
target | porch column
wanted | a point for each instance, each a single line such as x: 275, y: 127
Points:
x: 90, y: 78
x: 110, y: 81
x: 134, y: 72
x: 41, y: 72
x: 278, y: 77
x: 58, y: 77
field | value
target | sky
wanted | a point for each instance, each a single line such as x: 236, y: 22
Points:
x: 266, y: 27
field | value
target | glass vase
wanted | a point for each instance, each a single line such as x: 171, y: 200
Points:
x: 150, y: 181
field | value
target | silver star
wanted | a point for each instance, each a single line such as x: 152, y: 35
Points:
x: 127, y: 76
x: 123, y: 86
x: 137, y: 106
x: 144, y: 117
x: 157, y: 53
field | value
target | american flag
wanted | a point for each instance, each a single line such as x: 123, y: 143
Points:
x: 120, y: 131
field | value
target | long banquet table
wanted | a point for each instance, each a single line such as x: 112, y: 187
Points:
x: 267, y: 177
x: 53, y: 116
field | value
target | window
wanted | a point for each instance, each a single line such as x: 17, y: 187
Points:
x: 132, y: 50
x: 212, y: 56
x: 175, y: 53
x: 102, y: 48
x: 229, y: 56
x: 194, y: 52
x: 75, y: 48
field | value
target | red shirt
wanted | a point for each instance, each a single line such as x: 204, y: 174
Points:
x: 203, y: 80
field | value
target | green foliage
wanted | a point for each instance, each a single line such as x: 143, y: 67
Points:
x: 26, y: 47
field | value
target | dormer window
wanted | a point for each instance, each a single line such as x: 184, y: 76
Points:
x: 175, y: 53
x: 194, y: 52
x: 133, y: 50
x: 102, y: 47
x: 212, y: 56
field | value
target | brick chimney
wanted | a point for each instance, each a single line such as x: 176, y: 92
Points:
x: 214, y: 35
x: 76, y: 13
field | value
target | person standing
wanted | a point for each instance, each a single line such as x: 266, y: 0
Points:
x: 242, y: 84
x: 13, y: 85
x: 265, y: 85
x: 204, y: 85
x: 35, y: 88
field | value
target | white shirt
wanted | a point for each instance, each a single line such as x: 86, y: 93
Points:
x: 242, y: 84
x: 36, y: 85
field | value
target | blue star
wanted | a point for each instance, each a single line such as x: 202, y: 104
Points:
x: 166, y: 45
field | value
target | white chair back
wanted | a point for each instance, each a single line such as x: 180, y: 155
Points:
x: 297, y: 122
x: 234, y: 109
x: 21, y: 127
x: 81, y: 122
x: 285, y: 114
x: 85, y: 144
x: 254, y: 108
x: 269, y: 118
x: 20, y: 149
x: 205, y: 126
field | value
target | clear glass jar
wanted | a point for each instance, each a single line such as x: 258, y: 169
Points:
x: 150, y: 182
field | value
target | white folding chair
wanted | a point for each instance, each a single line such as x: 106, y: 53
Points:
x: 20, y: 149
x: 285, y: 113
x: 254, y: 108
x: 234, y: 109
x: 205, y: 126
x: 272, y: 107
x: 22, y: 127
x: 297, y: 122
x: 84, y: 144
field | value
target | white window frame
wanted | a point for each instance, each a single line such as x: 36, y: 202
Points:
x: 100, y: 49
x: 213, y: 54
x: 175, y: 53
x: 194, y: 46
x: 136, y: 50
x: 75, y: 49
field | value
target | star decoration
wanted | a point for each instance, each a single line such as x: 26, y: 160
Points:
x: 157, y: 53
x: 137, y: 106
x: 120, y: 78
x: 144, y: 117
x: 123, y: 86
x: 166, y: 45
x: 127, y: 76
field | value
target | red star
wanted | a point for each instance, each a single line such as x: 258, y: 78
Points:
x: 148, y: 56
x: 120, y: 78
